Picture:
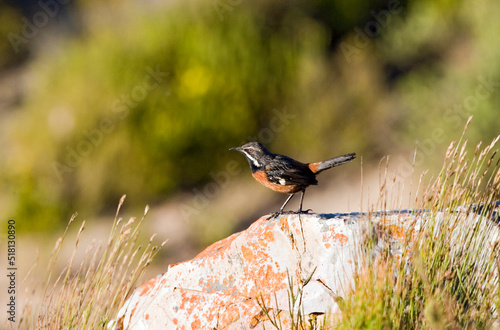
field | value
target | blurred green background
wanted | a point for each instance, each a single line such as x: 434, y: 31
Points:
x: 100, y: 99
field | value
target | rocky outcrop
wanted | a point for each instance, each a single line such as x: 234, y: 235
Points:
x: 280, y: 264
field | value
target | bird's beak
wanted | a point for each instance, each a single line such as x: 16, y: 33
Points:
x: 237, y: 149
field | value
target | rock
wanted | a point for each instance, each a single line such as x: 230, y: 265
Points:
x: 315, y: 256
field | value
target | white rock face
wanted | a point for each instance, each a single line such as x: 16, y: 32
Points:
x: 317, y: 254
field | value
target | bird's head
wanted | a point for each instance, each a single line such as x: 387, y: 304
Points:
x: 253, y: 151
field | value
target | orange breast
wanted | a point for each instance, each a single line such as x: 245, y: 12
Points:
x: 261, y: 176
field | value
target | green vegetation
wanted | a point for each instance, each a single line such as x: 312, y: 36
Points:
x: 145, y: 101
x: 155, y: 100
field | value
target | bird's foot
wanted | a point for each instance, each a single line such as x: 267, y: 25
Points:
x: 277, y: 214
x: 280, y: 212
x: 274, y: 215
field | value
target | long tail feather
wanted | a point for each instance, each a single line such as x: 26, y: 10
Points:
x: 329, y: 163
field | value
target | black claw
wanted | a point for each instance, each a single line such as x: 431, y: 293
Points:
x: 274, y: 215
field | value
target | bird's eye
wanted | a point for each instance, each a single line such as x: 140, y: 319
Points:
x: 250, y: 150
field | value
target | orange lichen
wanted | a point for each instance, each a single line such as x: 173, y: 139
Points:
x: 146, y: 287
x: 398, y: 232
x: 248, y: 254
x: 218, y: 248
x: 228, y: 315
x: 196, y: 324
x: 332, y: 236
x: 259, y: 264
x: 342, y: 239
x: 267, y: 238
x: 283, y: 224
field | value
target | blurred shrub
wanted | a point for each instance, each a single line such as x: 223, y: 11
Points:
x: 142, y: 107
x: 10, y: 23
x: 441, y: 58
x: 146, y: 102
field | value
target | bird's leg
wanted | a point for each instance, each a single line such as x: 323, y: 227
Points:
x: 275, y: 214
x: 284, y: 204
x: 300, y: 205
x: 301, y: 199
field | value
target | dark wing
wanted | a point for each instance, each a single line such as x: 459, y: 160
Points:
x: 287, y: 171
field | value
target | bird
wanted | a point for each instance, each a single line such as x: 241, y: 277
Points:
x: 284, y: 174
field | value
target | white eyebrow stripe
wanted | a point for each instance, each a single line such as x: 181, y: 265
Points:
x: 254, y: 161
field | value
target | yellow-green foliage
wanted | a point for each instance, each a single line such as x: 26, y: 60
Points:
x: 76, y: 143
x: 442, y: 54
x: 98, y: 123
